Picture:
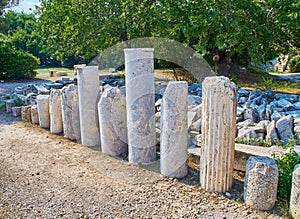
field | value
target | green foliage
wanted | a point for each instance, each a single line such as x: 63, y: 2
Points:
x: 258, y: 71
x: 267, y: 82
x: 19, y: 102
x: 254, y: 141
x: 121, y: 75
x: 286, y: 164
x: 24, y: 34
x: 294, y: 64
x: 15, y: 64
x: 233, y: 78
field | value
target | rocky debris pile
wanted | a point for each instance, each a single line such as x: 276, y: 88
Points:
x: 265, y: 115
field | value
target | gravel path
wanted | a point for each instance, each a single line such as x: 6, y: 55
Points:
x: 46, y: 176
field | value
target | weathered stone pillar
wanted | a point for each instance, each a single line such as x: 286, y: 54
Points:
x: 70, y: 112
x: 261, y: 180
x: 16, y: 111
x: 295, y: 193
x: 218, y: 134
x: 43, y: 110
x: 174, y: 130
x: 56, y: 124
x: 34, y: 115
x: 112, y: 120
x: 26, y: 113
x: 140, y: 105
x: 75, y: 115
x: 88, y: 87
x: 9, y: 105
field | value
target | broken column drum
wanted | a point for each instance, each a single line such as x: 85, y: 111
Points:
x: 112, y: 120
x: 56, y: 125
x: 174, y: 130
x: 140, y: 105
x: 218, y: 134
x: 88, y: 87
x: 43, y: 110
x: 261, y: 181
x: 70, y: 112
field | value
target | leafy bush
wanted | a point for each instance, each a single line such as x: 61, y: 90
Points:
x: 15, y: 64
x: 294, y: 64
x: 286, y: 164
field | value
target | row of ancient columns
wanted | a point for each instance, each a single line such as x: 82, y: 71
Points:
x: 131, y: 120
x: 126, y: 123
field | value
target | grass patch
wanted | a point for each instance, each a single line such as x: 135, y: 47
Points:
x: 258, y: 71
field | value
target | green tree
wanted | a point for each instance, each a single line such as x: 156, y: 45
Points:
x: 226, y: 33
x: 15, y: 64
x: 81, y: 29
x: 23, y: 32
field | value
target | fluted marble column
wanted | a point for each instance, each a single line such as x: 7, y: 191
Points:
x: 174, y: 131
x: 88, y: 87
x: 140, y: 104
x: 218, y: 134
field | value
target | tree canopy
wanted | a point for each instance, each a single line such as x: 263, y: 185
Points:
x: 225, y: 33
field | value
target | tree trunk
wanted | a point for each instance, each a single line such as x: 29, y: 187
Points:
x: 222, y: 64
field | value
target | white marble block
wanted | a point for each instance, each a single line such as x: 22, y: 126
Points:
x: 112, y: 120
x: 295, y: 193
x: 34, y: 115
x: 56, y: 124
x: 43, y: 110
x: 218, y: 134
x: 88, y: 88
x: 174, y: 131
x: 140, y: 105
x: 70, y: 112
x: 261, y: 181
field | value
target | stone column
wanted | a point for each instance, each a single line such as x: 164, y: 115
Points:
x: 43, y: 110
x: 174, y: 131
x: 26, y: 113
x: 56, y: 125
x: 112, y: 120
x: 295, y: 193
x: 88, y: 87
x: 16, y: 111
x: 75, y: 115
x: 9, y: 105
x: 34, y: 115
x: 261, y: 180
x: 140, y: 104
x: 70, y: 112
x: 218, y: 134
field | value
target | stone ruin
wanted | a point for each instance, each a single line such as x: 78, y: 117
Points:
x: 135, y: 118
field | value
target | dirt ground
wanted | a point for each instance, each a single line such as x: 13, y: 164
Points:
x: 46, y: 176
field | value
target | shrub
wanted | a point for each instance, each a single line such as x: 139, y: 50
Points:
x: 294, y: 64
x: 16, y: 64
x: 286, y: 164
